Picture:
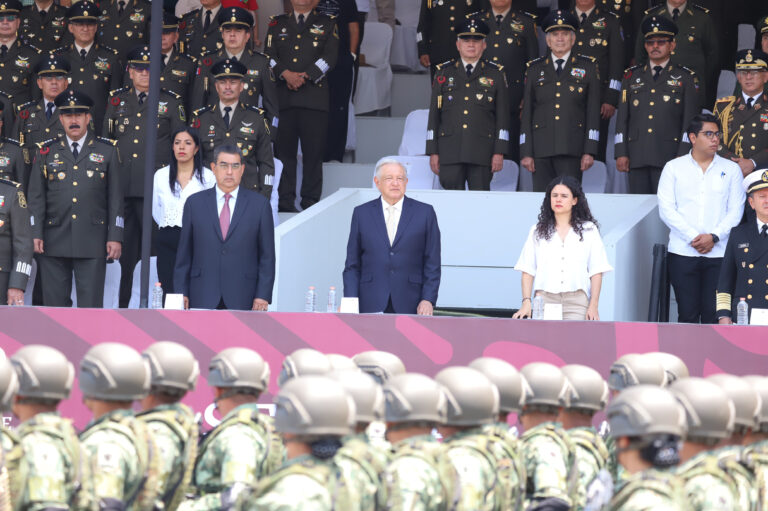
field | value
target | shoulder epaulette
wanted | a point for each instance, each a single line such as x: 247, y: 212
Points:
x: 10, y: 183
x: 534, y: 17
x: 726, y: 99
x: 701, y: 8
x: 199, y: 111
x: 649, y: 11
x: 608, y: 11
x: 11, y: 141
x: 332, y: 16
x: 191, y: 14
x: 211, y: 52
x: 533, y: 61
x: 689, y: 70
x: 107, y: 140
x: 278, y: 16
x: 5, y: 95
x: 188, y: 57
x: 494, y: 65
x: 585, y: 57
x: 253, y: 108
x: 108, y: 48
x: 119, y: 91
x: 46, y: 142
x: 25, y: 105
x: 442, y: 64
x: 171, y: 93
x: 632, y: 68
x: 38, y: 50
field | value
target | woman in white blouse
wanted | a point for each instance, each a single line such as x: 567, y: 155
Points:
x: 173, y: 185
x: 563, y: 259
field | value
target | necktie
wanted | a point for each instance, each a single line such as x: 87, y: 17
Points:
x: 227, y: 110
x: 165, y: 60
x: 656, y: 72
x: 121, y: 7
x: 391, y: 227
x: 301, y: 21
x: 3, y: 51
x: 142, y: 97
x: 675, y: 14
x: 75, y: 152
x: 207, y: 20
x: 469, y: 69
x: 42, y: 15
x: 764, y: 231
x: 224, y: 216
x: 83, y: 54
x: 498, y: 20
x: 750, y: 102
x: 559, y: 63
x: 583, y: 17
x: 234, y: 58
x: 49, y: 110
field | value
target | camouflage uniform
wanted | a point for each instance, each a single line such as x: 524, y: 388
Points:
x: 756, y: 456
x: 124, y: 460
x: 592, y: 456
x: 361, y: 465
x: 650, y: 490
x: 242, y: 449
x: 480, y: 489
x: 311, y: 478
x: 13, y: 469
x: 731, y: 460
x: 419, y: 478
x: 175, y: 431
x: 550, y: 462
x: 708, y: 487
x: 504, y: 445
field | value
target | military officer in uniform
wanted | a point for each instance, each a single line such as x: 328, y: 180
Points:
x: 90, y: 62
x: 658, y: 99
x: 599, y: 36
x: 77, y: 207
x: 302, y: 47
x: 631, y: 14
x: 229, y: 120
x: 696, y: 43
x: 745, y: 263
x: 43, y: 24
x: 15, y: 240
x: 178, y: 67
x: 124, y: 24
x: 745, y: 117
x: 17, y: 59
x: 200, y: 32
x: 436, y: 31
x: 560, y: 126
x: 14, y: 161
x: 468, y: 128
x: 124, y: 121
x: 258, y: 81
x: 511, y: 42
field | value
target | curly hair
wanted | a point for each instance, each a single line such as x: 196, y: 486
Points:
x: 580, y: 214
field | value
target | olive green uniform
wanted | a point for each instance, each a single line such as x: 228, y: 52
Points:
x: 14, y: 162
x: 15, y: 238
x: 436, y: 31
x: 32, y: 127
x: 16, y: 71
x: 46, y: 33
x: 124, y: 30
x: 745, y: 130
x: 468, y: 122
x: 631, y: 14
x: 178, y: 76
x: 194, y: 39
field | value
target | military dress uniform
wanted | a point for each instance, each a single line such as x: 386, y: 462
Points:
x: 599, y: 36
x: 311, y: 48
x: 745, y: 130
x: 44, y: 32
x: 468, y: 123
x: 195, y: 38
x: 77, y: 206
x: 630, y: 13
x: 178, y: 75
x: 124, y: 27
x: 697, y: 46
x: 511, y: 43
x: 16, y: 70
x: 7, y: 115
x: 436, y: 31
x: 15, y: 237
x: 14, y: 162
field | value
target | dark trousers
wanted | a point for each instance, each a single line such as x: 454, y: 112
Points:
x: 5, y: 277
x: 602, y: 143
x: 310, y: 127
x: 513, y: 151
x: 455, y: 175
x: 549, y: 168
x: 694, y: 280
x: 340, y: 89
x: 131, y: 246
x: 57, y: 280
x: 644, y: 180
x: 165, y: 242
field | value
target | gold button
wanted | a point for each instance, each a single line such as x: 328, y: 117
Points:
x: 751, y: 266
x: 580, y: 43
x: 135, y: 155
x: 557, y: 117
x: 749, y: 297
x: 651, y: 103
x: 74, y: 217
x: 137, y: 127
x: 466, y: 112
x: 227, y: 134
x: 650, y: 130
x: 162, y: 78
x: 74, y: 199
x: 557, y: 83
x: 74, y: 183
x: 296, y: 47
x: 754, y: 125
x: 746, y: 250
x: 650, y: 116
x: 466, y: 98
x: 75, y: 167
x: 464, y: 126
x: 557, y: 106
x: 749, y: 281
x: 752, y: 147
x: 653, y: 91
x: 498, y: 33
x: 295, y: 60
x: 742, y: 126
x: 138, y: 114
x: 453, y: 8
x: 298, y: 36
x: 495, y: 58
x: 115, y: 38
x: 81, y: 82
x: 135, y: 140
x: 451, y: 18
x: 495, y: 45
x: 467, y: 85
x: 557, y: 94
x: 581, y: 31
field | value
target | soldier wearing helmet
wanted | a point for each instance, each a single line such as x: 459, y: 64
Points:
x: 756, y: 442
x: 636, y: 369
x: 548, y: 452
x: 244, y: 447
x: 382, y: 365
x: 673, y: 365
x: 121, y: 449
x: 709, y: 415
x: 588, y: 395
x: 313, y: 414
x: 418, y: 477
x: 174, y: 371
x: 303, y: 362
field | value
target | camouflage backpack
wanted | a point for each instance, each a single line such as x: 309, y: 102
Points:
x: 13, y: 469
x: 356, y: 453
x: 505, y: 447
x: 664, y: 484
x: 561, y: 437
x: 431, y: 454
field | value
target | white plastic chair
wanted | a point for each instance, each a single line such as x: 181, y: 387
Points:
x: 506, y: 179
x: 420, y: 176
x: 414, y: 138
x: 595, y: 178
x: 746, y: 38
x: 726, y: 83
x: 374, y: 82
x: 136, y: 290
x: 111, y: 287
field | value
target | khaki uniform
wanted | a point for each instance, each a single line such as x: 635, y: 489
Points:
x: 745, y: 130
x: 47, y: 33
x: 15, y: 237
x: 193, y: 39
x: 124, y: 31
x: 16, y: 72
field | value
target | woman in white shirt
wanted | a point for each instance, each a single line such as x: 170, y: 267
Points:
x: 564, y: 253
x: 173, y: 185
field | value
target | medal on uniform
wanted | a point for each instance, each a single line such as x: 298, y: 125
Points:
x: 578, y: 72
x: 2, y: 201
x: 62, y: 176
x: 129, y: 33
x: 479, y: 97
x: 101, y: 174
x: 591, y: 42
x: 96, y: 157
x: 635, y: 102
x: 244, y: 152
x: 89, y: 172
x: 666, y: 98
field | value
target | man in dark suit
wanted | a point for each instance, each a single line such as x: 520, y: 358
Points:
x: 226, y: 255
x: 393, y: 253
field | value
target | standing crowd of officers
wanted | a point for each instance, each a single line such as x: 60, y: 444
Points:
x: 361, y: 433
x: 495, y: 97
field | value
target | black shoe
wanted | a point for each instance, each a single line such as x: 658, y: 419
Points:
x: 305, y: 204
x: 287, y: 209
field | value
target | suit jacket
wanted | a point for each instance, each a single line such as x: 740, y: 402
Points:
x: 237, y: 269
x: 744, y: 270
x: 407, y: 271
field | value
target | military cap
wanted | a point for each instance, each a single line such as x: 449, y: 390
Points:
x: 228, y: 69
x: 172, y: 366
x: 382, y: 365
x: 240, y: 368
x: 52, y: 65
x: 170, y: 22
x: 507, y: 379
x: 559, y: 20
x: 472, y: 398
x: 44, y: 372
x: 751, y: 60
x: 756, y: 180
x: 472, y: 28
x: 83, y: 11
x: 762, y: 25
x: 111, y: 371
x: 672, y: 364
x: 139, y: 57
x: 9, y: 384
x: 235, y: 17
x: 655, y: 26
x: 709, y: 411
x: 71, y: 101
x: 635, y: 369
x: 746, y: 400
x: 10, y: 7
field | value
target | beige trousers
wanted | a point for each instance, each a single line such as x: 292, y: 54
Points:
x: 574, y: 303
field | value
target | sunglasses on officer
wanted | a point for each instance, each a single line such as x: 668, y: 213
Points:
x: 8, y: 17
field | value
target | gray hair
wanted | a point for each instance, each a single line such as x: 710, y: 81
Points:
x: 227, y: 149
x: 389, y: 161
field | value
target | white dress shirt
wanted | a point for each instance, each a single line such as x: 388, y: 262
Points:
x: 580, y: 12
x: 233, y: 106
x: 760, y: 225
x: 565, y: 266
x: 564, y: 57
x: 220, y: 201
x: 671, y: 9
x: 396, y: 212
x: 168, y: 207
x: 755, y: 98
x: 86, y: 48
x: 80, y: 143
x: 692, y: 202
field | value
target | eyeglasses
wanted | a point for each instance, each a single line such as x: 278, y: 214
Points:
x: 712, y: 134
x: 233, y: 166
x: 749, y: 72
x: 8, y: 17
x: 657, y: 42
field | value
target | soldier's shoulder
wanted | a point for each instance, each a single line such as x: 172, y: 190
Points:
x: 700, y: 8
x: 201, y: 111
x: 444, y: 65
x: 25, y: 106
x: 527, y: 14
x: 588, y: 58
x: 192, y: 13
x: 493, y: 65
x: 107, y: 141
x: 43, y: 146
x: 187, y: 57
x: 106, y: 49
x: 254, y: 108
x: 31, y: 49
x: 12, y: 141
x: 656, y: 9
x: 536, y: 62
x: 631, y: 70
x: 119, y: 92
x: 277, y: 18
x: 172, y: 94
x: 207, y: 58
x: 609, y: 14
x: 8, y: 182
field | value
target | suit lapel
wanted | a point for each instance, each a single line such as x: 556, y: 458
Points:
x: 405, y: 218
x: 377, y: 211
x: 215, y: 216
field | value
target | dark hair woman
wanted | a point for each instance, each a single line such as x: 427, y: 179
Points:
x: 173, y: 185
x: 564, y: 255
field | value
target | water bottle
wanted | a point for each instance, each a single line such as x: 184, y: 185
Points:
x: 157, y: 296
x: 310, y: 300
x: 742, y: 312
x: 331, y: 300
x: 538, y: 307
